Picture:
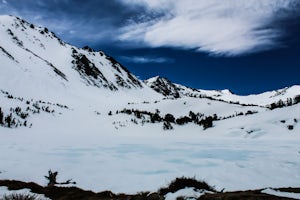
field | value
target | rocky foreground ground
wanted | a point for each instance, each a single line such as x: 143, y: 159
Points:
x: 75, y: 193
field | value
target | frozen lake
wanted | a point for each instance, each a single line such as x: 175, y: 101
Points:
x: 131, y: 163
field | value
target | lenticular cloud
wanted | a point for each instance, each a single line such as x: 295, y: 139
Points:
x: 228, y: 27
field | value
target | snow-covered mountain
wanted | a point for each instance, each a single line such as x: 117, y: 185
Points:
x: 40, y: 72
x: 173, y: 90
x: 81, y: 112
x: 35, y: 63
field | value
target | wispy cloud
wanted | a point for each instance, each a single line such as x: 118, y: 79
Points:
x: 228, y: 27
x: 143, y: 60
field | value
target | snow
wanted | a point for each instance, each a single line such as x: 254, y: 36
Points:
x: 102, y: 152
x: 263, y: 99
x: 282, y: 194
x: 188, y: 193
x: 99, y: 157
x: 5, y: 192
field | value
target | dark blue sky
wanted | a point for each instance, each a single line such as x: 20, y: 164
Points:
x: 248, y: 47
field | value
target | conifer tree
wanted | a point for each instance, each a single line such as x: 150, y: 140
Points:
x: 1, y: 116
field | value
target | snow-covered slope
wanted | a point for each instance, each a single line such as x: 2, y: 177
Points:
x: 37, y: 64
x: 169, y: 89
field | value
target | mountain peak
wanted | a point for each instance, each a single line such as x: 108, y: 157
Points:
x: 43, y: 62
x: 163, y: 86
x: 226, y: 91
x: 156, y: 78
x: 4, y: 18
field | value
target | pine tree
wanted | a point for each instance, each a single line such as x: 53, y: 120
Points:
x: 8, y: 120
x: 280, y: 104
x: 289, y: 101
x: 296, y: 99
x: 167, y: 126
x: 155, y: 118
x: 193, y: 116
x: 1, y: 116
x: 169, y: 118
x: 208, y: 122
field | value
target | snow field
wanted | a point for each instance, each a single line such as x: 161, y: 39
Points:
x: 125, y: 162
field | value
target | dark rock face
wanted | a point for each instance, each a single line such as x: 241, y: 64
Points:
x: 92, y: 70
x: 93, y: 75
x: 165, y: 87
x: 89, y: 72
x: 132, y: 80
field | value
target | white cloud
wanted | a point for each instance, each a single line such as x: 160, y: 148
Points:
x: 228, y: 27
x: 142, y: 60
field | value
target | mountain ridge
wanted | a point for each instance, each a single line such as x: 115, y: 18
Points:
x: 172, y: 90
x: 27, y: 44
x: 40, y: 69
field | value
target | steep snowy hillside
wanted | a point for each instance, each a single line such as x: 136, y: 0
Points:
x: 169, y: 89
x: 37, y: 64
